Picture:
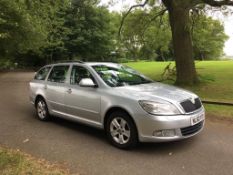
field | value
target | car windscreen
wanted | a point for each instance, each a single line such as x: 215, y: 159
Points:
x: 119, y: 75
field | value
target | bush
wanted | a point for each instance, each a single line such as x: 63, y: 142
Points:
x: 7, y: 64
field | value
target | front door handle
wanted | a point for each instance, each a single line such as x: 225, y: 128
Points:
x: 45, y: 87
x: 69, y: 91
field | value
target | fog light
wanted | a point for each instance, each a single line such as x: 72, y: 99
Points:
x: 165, y: 133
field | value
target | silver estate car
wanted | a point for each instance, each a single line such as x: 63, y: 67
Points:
x: 127, y: 105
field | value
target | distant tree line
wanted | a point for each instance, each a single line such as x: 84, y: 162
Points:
x: 33, y: 33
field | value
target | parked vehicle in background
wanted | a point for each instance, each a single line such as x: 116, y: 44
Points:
x: 127, y: 105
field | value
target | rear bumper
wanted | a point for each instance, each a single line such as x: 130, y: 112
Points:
x: 170, y: 128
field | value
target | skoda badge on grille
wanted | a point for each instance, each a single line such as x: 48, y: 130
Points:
x: 192, y: 100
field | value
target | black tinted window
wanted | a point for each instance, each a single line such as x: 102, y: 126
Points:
x: 42, y: 74
x: 78, y: 73
x: 58, y: 74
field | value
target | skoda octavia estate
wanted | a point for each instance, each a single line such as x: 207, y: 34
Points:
x: 129, y: 106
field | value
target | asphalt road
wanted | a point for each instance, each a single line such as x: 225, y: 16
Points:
x: 86, y: 150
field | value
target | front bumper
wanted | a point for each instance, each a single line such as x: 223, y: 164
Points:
x: 182, y: 126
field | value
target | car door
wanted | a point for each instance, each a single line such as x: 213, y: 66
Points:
x: 56, y: 87
x: 82, y: 102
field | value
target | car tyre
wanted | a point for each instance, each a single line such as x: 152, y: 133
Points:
x: 42, y: 110
x: 121, y: 130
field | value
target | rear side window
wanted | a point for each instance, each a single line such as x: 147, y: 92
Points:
x: 58, y: 74
x: 42, y: 74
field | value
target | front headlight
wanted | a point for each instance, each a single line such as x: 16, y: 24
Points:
x: 159, y: 108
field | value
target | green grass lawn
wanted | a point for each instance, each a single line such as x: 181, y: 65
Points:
x: 14, y: 162
x: 216, y: 81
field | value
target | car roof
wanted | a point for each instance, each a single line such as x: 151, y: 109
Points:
x: 85, y: 63
x: 102, y: 63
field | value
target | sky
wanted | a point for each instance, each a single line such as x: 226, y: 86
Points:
x: 226, y: 20
x: 228, y: 24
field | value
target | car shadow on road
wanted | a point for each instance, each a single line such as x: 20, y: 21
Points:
x: 79, y: 128
x: 142, y: 148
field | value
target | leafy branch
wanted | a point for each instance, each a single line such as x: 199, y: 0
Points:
x: 128, y: 12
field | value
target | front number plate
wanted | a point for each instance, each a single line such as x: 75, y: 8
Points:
x: 197, y: 119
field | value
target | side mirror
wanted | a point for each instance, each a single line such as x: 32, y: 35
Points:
x: 87, y: 82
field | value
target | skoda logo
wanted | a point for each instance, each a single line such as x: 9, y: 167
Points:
x: 192, y: 100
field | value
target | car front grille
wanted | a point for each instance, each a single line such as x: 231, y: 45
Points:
x: 188, y: 106
x: 191, y: 129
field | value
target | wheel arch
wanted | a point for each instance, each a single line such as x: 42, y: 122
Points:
x: 39, y: 96
x: 117, y: 108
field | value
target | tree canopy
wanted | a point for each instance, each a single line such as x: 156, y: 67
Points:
x: 21, y: 29
x: 152, y: 40
x: 53, y: 30
x: 208, y: 38
x: 33, y: 33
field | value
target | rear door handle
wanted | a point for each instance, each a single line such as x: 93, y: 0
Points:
x: 69, y: 91
x: 45, y: 87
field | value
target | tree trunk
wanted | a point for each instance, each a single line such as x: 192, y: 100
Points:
x: 51, y: 57
x: 162, y: 56
x: 182, y: 43
x: 202, y: 57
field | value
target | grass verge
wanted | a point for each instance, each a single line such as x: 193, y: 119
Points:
x: 219, y: 111
x: 14, y: 162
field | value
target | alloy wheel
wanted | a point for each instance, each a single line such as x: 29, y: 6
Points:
x: 120, y: 130
x: 41, y: 110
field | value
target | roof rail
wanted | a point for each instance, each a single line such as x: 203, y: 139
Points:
x: 68, y: 61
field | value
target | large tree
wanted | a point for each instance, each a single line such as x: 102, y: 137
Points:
x: 181, y: 24
x: 208, y: 38
x: 144, y: 38
x: 90, y: 35
x: 19, y: 23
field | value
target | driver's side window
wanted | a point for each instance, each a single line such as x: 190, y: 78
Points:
x: 78, y: 73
